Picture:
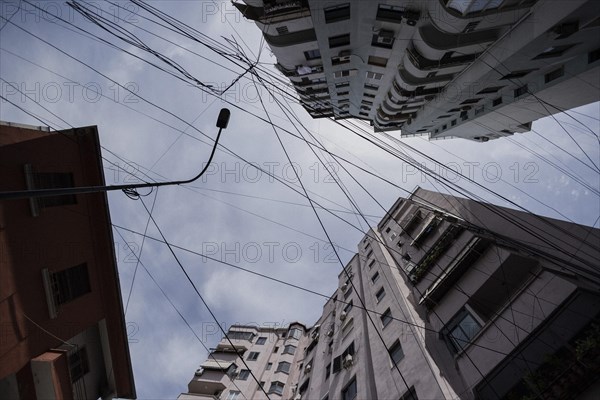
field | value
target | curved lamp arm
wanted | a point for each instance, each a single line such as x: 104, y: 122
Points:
x: 222, y: 122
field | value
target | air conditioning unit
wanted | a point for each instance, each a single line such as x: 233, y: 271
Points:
x: 348, y: 361
x: 199, y: 372
x: 343, y: 315
x: 314, y: 335
x: 330, y: 333
x: 343, y: 59
x: 344, y: 287
x: 298, y: 397
x: 411, y: 17
x: 308, y: 368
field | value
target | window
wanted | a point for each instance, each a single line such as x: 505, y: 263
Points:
x: 238, y: 335
x: 253, y: 356
x: 380, y: 294
x: 261, y: 385
x: 289, y: 349
x: 348, y: 292
x: 552, y: 75
x: 374, y: 75
x: 348, y: 307
x: 276, y: 387
x: 338, y: 41
x: 478, y: 111
x: 312, y: 54
x: 371, y: 87
x: 342, y: 85
x: 518, y: 92
x: 337, y: 361
x: 327, y: 371
x: 349, y: 392
x: 344, y: 94
x: 269, y: 366
x: 470, y: 101
x: 349, y: 350
x: 70, y: 283
x: 282, y: 30
x: 453, y: 122
x: 553, y: 51
x: 375, y: 277
x: 369, y: 95
x: 471, y: 26
x: 490, y: 89
x: 234, y: 395
x: 261, y: 340
x: 384, y: 38
x: 244, y: 374
x: 472, y: 6
x: 364, y: 114
x: 337, y: 13
x: 377, y: 61
x: 337, y: 364
x: 283, y: 366
x: 389, y: 13
x: 370, y: 253
x: 411, y: 394
x: 371, y: 264
x: 386, y: 317
x: 276, y: 349
x: 461, y: 329
x: 344, y: 73
x: 396, y: 353
x: 518, y: 74
x: 497, y: 101
x: 78, y: 364
x: 295, y: 333
x: 347, y: 328
x: 52, y: 180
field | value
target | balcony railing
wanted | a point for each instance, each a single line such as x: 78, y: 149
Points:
x: 301, y: 70
x: 425, y: 64
x: 282, y: 7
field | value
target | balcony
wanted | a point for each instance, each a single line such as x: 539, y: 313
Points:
x: 467, y: 256
x: 275, y: 11
x: 441, y: 40
x: 291, y: 39
x: 411, y: 82
x: 273, y: 8
x: 425, y: 64
x: 436, y: 251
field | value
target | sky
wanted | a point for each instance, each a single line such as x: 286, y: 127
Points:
x: 152, y: 122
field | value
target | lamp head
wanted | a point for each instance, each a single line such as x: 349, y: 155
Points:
x: 223, y: 118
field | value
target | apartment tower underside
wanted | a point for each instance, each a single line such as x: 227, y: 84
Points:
x: 473, y: 69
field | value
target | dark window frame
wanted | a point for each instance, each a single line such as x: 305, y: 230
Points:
x: 339, y: 40
x: 340, y: 12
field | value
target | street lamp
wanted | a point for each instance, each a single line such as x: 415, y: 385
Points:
x: 222, y: 122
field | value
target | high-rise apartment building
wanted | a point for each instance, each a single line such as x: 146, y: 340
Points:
x: 446, y: 298
x: 475, y: 69
x: 62, y: 327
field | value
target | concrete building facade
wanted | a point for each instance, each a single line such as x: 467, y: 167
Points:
x: 472, y: 69
x: 275, y: 356
x: 63, y: 333
x: 449, y: 298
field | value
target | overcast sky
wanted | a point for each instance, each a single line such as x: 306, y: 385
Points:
x: 237, y: 213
